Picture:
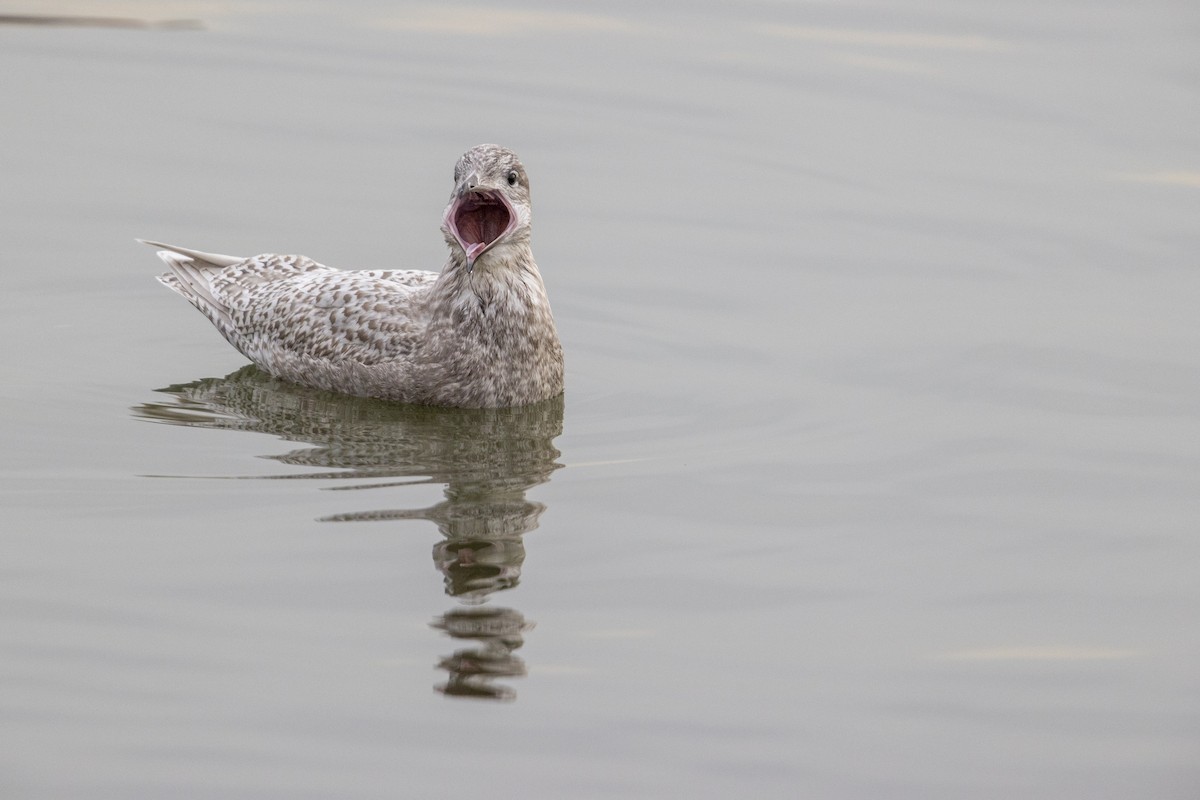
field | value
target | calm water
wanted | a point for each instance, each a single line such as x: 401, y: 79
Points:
x: 877, y: 474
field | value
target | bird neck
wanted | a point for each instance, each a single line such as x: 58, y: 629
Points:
x: 505, y: 283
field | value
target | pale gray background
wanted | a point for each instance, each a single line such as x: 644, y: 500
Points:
x: 881, y: 448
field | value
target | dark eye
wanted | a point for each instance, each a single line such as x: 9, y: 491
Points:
x: 512, y: 177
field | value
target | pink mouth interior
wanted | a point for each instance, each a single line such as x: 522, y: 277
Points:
x: 479, y: 220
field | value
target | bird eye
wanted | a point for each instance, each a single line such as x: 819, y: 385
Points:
x: 512, y: 177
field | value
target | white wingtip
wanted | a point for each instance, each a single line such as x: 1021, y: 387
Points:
x: 215, y: 259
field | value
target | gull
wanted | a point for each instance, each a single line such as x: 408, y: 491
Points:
x: 478, y: 334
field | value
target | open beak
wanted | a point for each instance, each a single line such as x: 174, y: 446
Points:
x: 478, y: 217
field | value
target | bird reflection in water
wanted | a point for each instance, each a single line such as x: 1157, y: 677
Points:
x: 487, y: 460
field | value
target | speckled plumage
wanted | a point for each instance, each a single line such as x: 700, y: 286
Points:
x: 478, y: 334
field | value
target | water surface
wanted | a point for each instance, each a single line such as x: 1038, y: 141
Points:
x: 876, y: 474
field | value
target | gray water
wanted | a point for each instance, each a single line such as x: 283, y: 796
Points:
x: 877, y: 474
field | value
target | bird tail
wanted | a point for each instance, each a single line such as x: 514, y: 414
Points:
x: 191, y: 274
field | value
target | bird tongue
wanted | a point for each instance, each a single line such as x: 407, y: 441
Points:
x: 479, y: 220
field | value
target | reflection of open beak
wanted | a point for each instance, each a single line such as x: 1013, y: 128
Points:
x: 478, y: 218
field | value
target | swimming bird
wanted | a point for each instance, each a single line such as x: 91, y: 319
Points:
x: 477, y: 334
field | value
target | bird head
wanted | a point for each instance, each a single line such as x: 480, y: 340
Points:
x: 489, y: 206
